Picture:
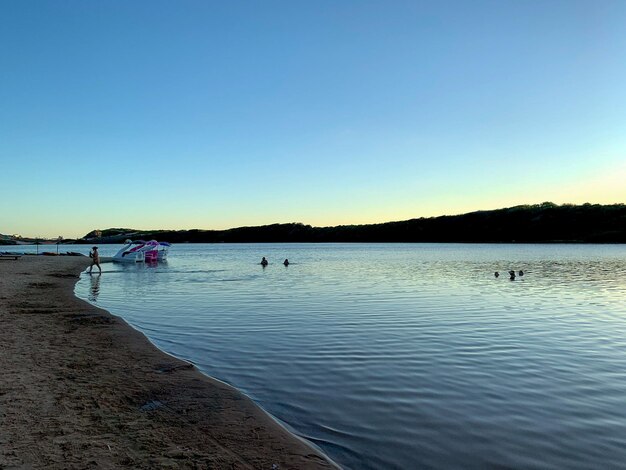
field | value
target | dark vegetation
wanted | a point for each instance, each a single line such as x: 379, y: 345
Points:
x: 547, y: 222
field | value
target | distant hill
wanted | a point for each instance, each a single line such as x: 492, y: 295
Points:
x: 19, y: 240
x: 6, y: 240
x: 547, y: 222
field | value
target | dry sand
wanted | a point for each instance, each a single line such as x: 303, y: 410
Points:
x: 79, y: 388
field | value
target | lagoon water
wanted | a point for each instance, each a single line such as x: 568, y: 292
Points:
x: 402, y: 356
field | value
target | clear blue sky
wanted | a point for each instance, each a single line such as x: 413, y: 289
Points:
x: 198, y: 114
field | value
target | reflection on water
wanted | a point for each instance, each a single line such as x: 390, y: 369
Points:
x: 404, y: 356
x: 94, y: 290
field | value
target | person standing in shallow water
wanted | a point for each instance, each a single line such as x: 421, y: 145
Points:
x: 95, y: 259
x: 264, y: 262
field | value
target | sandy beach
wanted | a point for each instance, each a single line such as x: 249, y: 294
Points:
x: 81, y: 389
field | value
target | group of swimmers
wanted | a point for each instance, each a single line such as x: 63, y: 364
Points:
x: 511, y: 274
x: 264, y: 262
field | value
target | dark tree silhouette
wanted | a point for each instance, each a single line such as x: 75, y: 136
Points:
x: 547, y: 222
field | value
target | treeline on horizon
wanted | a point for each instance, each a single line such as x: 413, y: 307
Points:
x: 540, y: 223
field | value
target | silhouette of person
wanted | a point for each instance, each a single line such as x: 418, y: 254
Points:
x: 496, y: 274
x: 264, y: 262
x: 286, y: 262
x: 95, y: 259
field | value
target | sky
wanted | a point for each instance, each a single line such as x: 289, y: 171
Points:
x: 206, y: 114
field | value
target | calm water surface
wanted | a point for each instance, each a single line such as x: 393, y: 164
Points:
x: 403, y: 356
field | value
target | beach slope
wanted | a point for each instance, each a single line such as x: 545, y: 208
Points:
x: 81, y: 389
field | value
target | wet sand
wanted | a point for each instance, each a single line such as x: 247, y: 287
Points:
x: 82, y: 389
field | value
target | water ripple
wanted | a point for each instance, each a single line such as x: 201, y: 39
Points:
x: 404, y: 356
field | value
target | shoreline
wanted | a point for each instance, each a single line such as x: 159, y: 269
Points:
x: 83, y: 388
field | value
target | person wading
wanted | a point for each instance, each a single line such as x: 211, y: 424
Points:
x: 95, y: 259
